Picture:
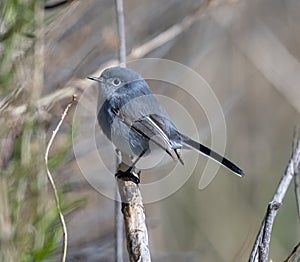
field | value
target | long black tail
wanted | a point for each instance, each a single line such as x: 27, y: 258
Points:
x: 191, y: 144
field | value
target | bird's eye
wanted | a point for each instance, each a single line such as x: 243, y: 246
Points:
x: 116, y: 82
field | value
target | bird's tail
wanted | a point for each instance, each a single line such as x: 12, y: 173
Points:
x: 191, y: 144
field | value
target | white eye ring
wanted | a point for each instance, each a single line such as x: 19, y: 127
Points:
x: 116, y: 82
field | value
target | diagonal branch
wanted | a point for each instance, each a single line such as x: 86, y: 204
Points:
x: 260, y: 249
x: 296, y: 176
x: 292, y: 253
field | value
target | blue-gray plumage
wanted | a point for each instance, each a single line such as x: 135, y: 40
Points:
x: 131, y: 117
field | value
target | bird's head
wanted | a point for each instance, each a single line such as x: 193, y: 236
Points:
x: 115, y: 77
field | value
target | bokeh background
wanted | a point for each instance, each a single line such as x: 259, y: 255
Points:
x: 249, y: 53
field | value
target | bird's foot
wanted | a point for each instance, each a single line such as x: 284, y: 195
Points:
x: 131, y: 174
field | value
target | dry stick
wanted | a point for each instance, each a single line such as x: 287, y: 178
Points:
x: 122, y: 61
x: 296, y: 176
x: 45, y: 101
x: 262, y: 242
x: 50, y: 178
x: 119, y: 238
x: 167, y: 35
x: 134, y: 217
x: 292, y: 253
x: 297, y: 190
x: 121, y: 31
x: 297, y: 195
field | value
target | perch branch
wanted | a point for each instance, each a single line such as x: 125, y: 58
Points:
x: 134, y: 216
x: 50, y: 178
x: 261, y: 246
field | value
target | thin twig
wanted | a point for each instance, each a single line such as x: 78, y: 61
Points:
x: 266, y: 236
x: 297, y: 190
x: 45, y: 101
x: 50, y: 178
x: 166, y: 36
x: 121, y: 31
x: 122, y: 62
x: 261, y: 246
x: 254, y: 252
x: 119, y: 236
x: 296, y: 176
x: 292, y: 253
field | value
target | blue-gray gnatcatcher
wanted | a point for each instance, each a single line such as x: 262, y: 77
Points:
x: 132, y: 118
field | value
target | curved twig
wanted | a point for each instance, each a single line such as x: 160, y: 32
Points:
x: 50, y: 178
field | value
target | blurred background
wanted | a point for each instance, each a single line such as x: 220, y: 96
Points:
x: 249, y: 53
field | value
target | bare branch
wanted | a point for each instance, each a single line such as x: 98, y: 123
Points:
x: 121, y: 31
x: 167, y: 35
x: 260, y: 249
x: 292, y: 253
x: 134, y: 216
x: 119, y: 226
x: 296, y: 176
x: 267, y: 231
x: 45, y: 101
x: 297, y: 190
x: 50, y: 178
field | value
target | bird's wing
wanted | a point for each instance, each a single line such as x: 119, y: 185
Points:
x: 157, y: 129
x: 164, y: 126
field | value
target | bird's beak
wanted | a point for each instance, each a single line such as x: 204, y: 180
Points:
x: 98, y: 79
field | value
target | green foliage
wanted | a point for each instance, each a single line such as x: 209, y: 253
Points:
x: 17, y: 29
x: 30, y: 228
x: 35, y: 226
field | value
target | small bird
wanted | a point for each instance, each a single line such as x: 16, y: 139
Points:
x: 131, y: 117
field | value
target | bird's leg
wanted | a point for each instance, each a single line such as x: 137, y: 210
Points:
x: 131, y: 174
x: 135, y: 161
